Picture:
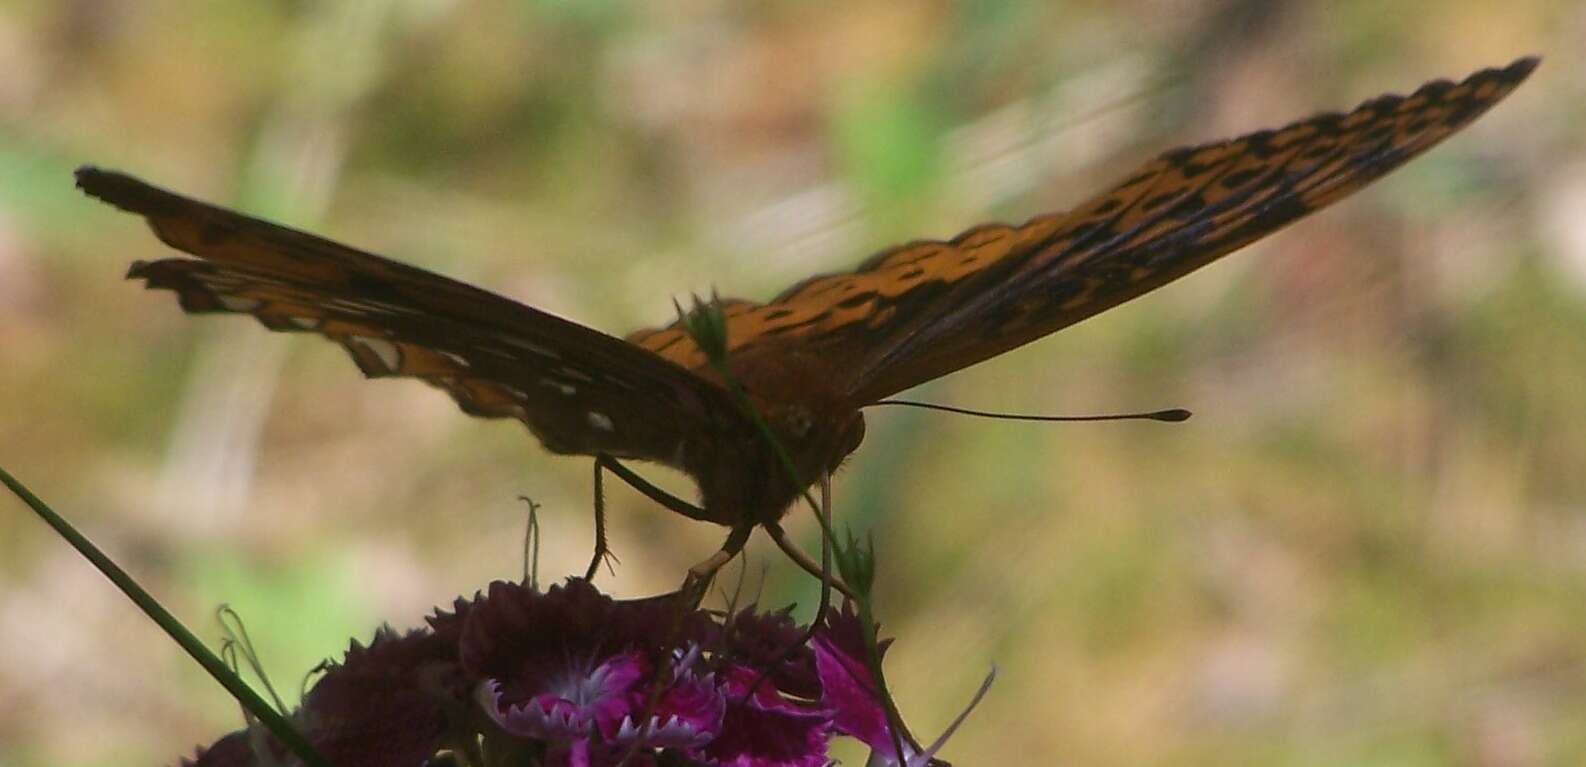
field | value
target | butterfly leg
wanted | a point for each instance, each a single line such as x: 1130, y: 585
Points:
x: 605, y: 463
x: 824, y: 573
x: 821, y: 570
x: 602, y: 550
x: 671, y: 502
x: 700, y: 575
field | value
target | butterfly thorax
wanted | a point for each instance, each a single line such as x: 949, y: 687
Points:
x: 739, y: 473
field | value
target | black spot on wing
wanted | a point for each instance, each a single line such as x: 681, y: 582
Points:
x: 1238, y: 178
x: 1160, y: 200
x: 857, y: 300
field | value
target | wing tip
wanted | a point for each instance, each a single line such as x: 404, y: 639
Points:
x: 101, y: 184
x: 1510, y: 74
x: 122, y: 190
x: 1521, y: 68
x: 86, y: 175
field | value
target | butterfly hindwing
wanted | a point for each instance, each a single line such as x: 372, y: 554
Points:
x: 925, y: 309
x: 578, y: 390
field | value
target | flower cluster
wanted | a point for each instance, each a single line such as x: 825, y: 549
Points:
x: 570, y: 677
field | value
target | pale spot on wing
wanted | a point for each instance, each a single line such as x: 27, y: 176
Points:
x: 601, y: 421
x: 220, y: 282
x: 574, y: 373
x: 306, y: 323
x: 390, y: 356
x: 565, y: 388
x: 458, y: 359
x: 365, y: 307
x: 238, y: 303
x: 530, y: 346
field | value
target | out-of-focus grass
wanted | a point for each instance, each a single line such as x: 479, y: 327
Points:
x: 1369, y: 547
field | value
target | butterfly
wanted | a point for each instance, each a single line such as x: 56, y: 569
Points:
x: 805, y: 363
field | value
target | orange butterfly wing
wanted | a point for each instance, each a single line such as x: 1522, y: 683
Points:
x: 925, y: 309
x: 578, y: 390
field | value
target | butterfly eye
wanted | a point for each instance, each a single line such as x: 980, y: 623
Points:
x: 798, y: 422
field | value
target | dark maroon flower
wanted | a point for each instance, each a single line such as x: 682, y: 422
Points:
x: 577, y: 671
x: 234, y: 750
x: 572, y: 678
x: 515, y: 629
x: 384, y: 704
x: 770, y: 642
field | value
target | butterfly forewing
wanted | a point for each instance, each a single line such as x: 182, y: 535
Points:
x: 1205, y: 202
x: 925, y: 309
x: 579, y: 390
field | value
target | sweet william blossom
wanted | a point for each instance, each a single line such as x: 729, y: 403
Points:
x: 570, y: 677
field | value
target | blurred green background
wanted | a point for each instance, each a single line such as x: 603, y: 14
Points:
x: 1368, y: 548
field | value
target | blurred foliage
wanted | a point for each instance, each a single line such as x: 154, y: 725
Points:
x: 1368, y: 548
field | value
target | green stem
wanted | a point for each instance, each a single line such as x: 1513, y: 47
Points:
x: 250, y: 700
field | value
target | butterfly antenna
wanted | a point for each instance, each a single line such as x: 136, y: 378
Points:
x: 1173, y: 415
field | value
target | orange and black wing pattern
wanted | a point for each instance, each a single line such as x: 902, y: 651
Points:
x: 925, y: 309
x: 578, y: 390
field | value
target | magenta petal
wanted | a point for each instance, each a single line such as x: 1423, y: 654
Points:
x: 574, y: 703
x: 543, y: 717
x: 606, y: 692
x: 847, y: 688
x: 767, y: 730
x: 688, y: 715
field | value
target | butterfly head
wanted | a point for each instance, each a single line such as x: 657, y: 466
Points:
x: 816, y: 434
x: 816, y: 438
x: 813, y: 422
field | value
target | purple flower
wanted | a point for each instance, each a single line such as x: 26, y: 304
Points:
x: 571, y: 702
x: 687, y: 714
x: 577, y: 671
x: 572, y: 678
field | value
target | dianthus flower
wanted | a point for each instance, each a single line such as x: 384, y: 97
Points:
x: 570, y: 677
